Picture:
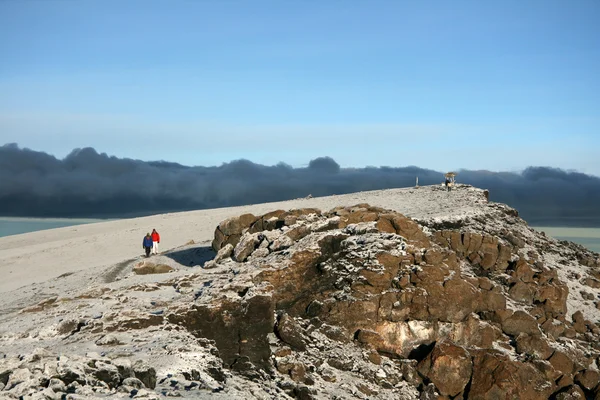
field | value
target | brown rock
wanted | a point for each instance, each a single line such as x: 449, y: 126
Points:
x: 523, y: 272
x: 284, y: 365
x: 246, y: 246
x: 587, y: 295
x: 499, y: 316
x: 547, y: 369
x: 268, y: 222
x: 539, y: 314
x: 452, y: 262
x: 460, y: 299
x: 328, y: 374
x: 520, y: 322
x: 489, y: 248
x: 141, y: 321
x: 298, y: 232
x: 556, y: 302
x: 533, y: 344
x: 283, y: 352
x: 218, y: 241
x: 382, y: 280
x: 515, y: 240
x: 430, y: 273
x: 433, y: 256
x: 570, y: 333
x: 485, y: 283
x: 230, y: 230
x: 370, y: 338
x: 301, y: 212
x: 366, y: 389
x: 374, y: 357
x: 522, y: 292
x: 504, y: 256
x: 441, y: 238
x: 495, y: 376
x: 280, y: 243
x: 290, y: 332
x: 592, y: 282
x: 475, y: 258
x: 475, y: 333
x: 579, y: 322
x: 405, y: 281
x: 408, y: 229
x: 553, y: 328
x: 564, y: 381
x: 466, y: 241
x: 492, y: 301
x: 572, y: 392
x: 588, y: 379
x: 385, y: 225
x: 225, y: 252
x: 596, y: 394
x: 290, y: 220
x: 295, y: 286
x: 361, y: 215
x: 449, y: 367
x: 561, y: 362
x: 335, y: 333
x: 67, y: 326
x: 145, y: 373
x: 456, y: 243
x: 260, y: 252
x: 239, y: 328
x: 298, y: 372
x: 547, y: 276
x: 474, y: 240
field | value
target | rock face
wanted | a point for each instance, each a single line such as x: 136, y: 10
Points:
x: 355, y: 302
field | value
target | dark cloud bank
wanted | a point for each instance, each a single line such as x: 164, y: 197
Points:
x: 88, y: 184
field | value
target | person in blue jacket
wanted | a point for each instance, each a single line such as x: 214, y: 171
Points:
x: 147, y: 244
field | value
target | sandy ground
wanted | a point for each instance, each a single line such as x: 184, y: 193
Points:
x: 40, y: 256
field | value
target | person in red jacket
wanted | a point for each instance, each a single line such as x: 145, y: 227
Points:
x: 155, y: 241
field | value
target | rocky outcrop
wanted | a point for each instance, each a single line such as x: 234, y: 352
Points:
x: 397, y: 290
x: 355, y: 302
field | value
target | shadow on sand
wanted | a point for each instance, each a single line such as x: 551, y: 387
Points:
x: 192, y: 256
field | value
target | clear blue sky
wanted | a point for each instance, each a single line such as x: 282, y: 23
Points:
x: 496, y: 85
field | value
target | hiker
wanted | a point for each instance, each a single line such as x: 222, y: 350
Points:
x: 155, y: 241
x: 147, y: 244
x: 447, y: 184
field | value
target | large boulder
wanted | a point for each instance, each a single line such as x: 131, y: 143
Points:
x: 496, y: 376
x: 230, y: 230
x: 246, y: 246
x: 290, y: 332
x: 449, y: 367
x: 520, y: 322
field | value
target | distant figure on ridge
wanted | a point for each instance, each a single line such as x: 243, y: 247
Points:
x: 450, y: 180
x: 147, y: 244
x: 155, y: 241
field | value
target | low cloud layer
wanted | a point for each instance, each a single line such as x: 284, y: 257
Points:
x: 88, y: 184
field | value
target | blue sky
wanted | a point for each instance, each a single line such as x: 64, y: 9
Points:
x: 496, y: 85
